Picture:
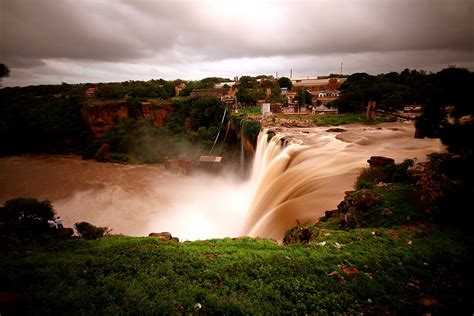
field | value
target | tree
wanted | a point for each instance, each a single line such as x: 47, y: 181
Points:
x: 248, y: 82
x: 448, y: 111
x: 4, y: 71
x: 285, y: 82
x: 28, y: 213
x: 303, y: 97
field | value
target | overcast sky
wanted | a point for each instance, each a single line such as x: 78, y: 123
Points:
x: 54, y: 41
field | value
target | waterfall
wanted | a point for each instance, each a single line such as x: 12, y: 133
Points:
x: 296, y: 176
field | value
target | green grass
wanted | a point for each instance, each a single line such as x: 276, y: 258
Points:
x: 246, y: 276
x: 250, y: 110
x: 336, y: 119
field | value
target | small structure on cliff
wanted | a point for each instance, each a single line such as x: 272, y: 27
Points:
x: 186, y: 166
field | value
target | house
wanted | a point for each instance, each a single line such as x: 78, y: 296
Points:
x: 90, y: 92
x: 321, y: 110
x: 324, y: 96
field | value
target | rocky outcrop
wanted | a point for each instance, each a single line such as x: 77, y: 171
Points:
x: 301, y: 234
x: 380, y: 162
x: 164, y: 236
x: 156, y: 112
x: 248, y: 146
x: 101, y: 116
x: 336, y: 129
x: 353, y: 204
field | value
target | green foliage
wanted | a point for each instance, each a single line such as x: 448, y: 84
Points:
x: 89, y: 231
x: 447, y: 103
x: 42, y: 119
x: 285, y: 82
x: 370, y: 274
x: 394, y: 205
x: 249, y: 96
x: 391, y: 91
x: 301, y: 234
x: 303, y: 97
x: 247, y: 82
x: 29, y: 213
x: 389, y: 174
x: 22, y: 210
x: 139, y: 141
x: 4, y: 71
x: 446, y: 187
x: 251, y: 130
x: 152, y: 89
x: 194, y: 112
x: 206, y: 83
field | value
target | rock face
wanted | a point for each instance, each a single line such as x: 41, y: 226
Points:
x: 156, y: 112
x: 164, y: 236
x: 101, y: 116
x: 380, y: 162
x: 352, y: 204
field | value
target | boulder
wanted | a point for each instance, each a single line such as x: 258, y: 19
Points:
x: 67, y: 232
x: 101, y: 154
x: 380, y: 162
x: 164, y: 236
x: 336, y: 129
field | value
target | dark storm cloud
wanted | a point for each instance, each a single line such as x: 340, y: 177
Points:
x: 176, y: 33
x: 90, y: 30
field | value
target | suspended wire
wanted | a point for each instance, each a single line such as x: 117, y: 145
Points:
x: 220, y: 128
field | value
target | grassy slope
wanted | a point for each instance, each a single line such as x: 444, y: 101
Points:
x: 144, y: 275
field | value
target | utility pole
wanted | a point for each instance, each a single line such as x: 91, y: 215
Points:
x: 341, y: 67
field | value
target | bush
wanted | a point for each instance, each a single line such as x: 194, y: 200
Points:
x: 301, y: 234
x: 28, y: 212
x: 446, y: 188
x: 389, y: 174
x: 89, y: 231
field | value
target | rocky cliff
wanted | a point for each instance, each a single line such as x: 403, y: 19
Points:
x: 103, y: 115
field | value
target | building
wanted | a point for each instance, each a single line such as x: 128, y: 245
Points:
x: 225, y: 94
x: 321, y: 110
x: 317, y: 84
x: 90, y: 92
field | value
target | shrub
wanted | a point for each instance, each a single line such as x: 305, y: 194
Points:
x: 301, y: 234
x: 28, y: 212
x: 446, y: 188
x: 89, y: 231
x: 389, y: 174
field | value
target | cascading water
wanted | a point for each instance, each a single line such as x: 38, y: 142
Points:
x: 298, y: 175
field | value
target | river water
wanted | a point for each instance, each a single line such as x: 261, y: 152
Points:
x: 296, y: 182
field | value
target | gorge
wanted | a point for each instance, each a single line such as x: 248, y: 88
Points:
x: 296, y: 176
